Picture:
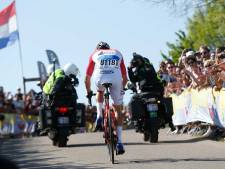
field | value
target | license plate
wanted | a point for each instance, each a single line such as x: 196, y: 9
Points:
x: 48, y: 113
x: 63, y: 120
x: 152, y: 107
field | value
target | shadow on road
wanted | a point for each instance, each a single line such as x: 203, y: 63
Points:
x: 87, y: 145
x: 25, y: 156
x: 166, y: 160
x: 136, y: 143
x: 103, y: 144
x: 193, y: 140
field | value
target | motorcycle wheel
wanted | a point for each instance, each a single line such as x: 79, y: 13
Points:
x: 62, y: 142
x: 54, y: 143
x: 146, y: 136
x: 154, y: 133
x: 62, y: 138
x: 154, y: 136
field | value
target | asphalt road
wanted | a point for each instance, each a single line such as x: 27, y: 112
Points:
x: 88, y: 151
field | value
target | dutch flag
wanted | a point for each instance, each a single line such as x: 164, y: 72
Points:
x: 8, y: 26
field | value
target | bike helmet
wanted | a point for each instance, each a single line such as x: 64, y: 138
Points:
x: 71, y: 69
x: 103, y: 45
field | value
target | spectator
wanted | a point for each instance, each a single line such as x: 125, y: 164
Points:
x: 209, y: 71
x: 186, y: 81
x: 9, y: 107
x: 19, y: 95
x: 220, y: 60
x: 194, y: 72
x: 181, y: 61
x: 171, y: 69
x: 163, y: 73
x: 2, y: 99
x: 220, y: 50
x: 205, y: 52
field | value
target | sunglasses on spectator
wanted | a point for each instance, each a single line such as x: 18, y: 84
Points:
x: 170, y: 67
x: 191, y: 63
x: 208, y: 66
x: 221, y: 56
x: 203, y: 53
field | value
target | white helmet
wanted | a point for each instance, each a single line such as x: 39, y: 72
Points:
x: 71, y: 68
x: 51, y: 67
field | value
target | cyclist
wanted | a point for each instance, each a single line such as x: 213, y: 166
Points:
x: 108, y: 67
x: 144, y: 79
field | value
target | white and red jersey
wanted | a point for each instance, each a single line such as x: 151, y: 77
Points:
x: 106, y: 65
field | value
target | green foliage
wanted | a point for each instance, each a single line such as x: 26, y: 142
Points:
x: 175, y: 49
x: 207, y: 26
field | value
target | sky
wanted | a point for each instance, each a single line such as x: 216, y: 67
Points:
x: 72, y: 29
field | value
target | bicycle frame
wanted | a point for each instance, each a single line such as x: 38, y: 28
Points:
x: 109, y: 123
x: 109, y: 126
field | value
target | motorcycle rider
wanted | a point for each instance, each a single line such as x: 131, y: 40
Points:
x: 58, y: 81
x: 108, y: 67
x: 60, y: 78
x: 144, y: 79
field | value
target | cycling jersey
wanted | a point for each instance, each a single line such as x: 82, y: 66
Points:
x: 107, y: 66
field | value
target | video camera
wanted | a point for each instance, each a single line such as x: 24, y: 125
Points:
x: 136, y: 60
x: 74, y: 80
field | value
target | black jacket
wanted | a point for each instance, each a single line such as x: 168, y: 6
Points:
x: 146, y: 77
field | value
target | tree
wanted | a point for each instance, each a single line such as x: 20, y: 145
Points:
x: 175, y: 49
x: 182, y: 6
x: 207, y: 26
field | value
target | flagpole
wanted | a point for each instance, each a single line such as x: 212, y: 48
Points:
x: 20, y: 51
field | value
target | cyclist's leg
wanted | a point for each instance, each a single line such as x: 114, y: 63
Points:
x: 99, y: 104
x: 99, y: 98
x: 117, y: 97
x: 119, y: 121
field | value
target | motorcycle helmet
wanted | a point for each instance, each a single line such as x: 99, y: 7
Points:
x: 102, y: 45
x: 71, y: 69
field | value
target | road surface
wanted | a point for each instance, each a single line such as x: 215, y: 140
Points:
x: 88, y: 151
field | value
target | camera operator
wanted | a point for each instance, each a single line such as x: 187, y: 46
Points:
x: 144, y: 80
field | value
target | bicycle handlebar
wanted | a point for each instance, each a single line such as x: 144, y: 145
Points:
x: 89, y: 96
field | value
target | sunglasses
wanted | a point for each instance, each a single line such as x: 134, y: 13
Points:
x: 191, y: 63
x: 208, y: 66
x: 203, y: 53
x: 221, y: 56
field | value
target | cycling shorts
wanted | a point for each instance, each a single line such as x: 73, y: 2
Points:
x: 116, y: 90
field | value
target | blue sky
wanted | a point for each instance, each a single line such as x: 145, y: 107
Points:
x: 72, y: 28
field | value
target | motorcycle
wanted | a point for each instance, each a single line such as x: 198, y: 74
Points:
x: 148, y: 122
x: 60, y: 115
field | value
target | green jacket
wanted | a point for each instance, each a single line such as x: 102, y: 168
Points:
x: 50, y: 83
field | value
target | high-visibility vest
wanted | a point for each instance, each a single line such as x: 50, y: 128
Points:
x: 50, y: 83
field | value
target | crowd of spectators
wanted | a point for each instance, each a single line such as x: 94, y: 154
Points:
x: 18, y: 102
x: 195, y: 69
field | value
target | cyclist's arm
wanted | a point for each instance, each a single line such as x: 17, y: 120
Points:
x: 88, y: 83
x: 124, y: 73
x: 89, y: 73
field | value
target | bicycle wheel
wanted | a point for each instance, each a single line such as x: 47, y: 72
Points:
x: 110, y: 142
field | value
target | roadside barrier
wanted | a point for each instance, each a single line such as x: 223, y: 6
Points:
x: 17, y: 124
x: 206, y: 105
